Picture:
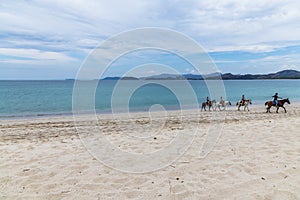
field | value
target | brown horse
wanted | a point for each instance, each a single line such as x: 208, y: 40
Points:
x: 280, y: 104
x: 209, y: 104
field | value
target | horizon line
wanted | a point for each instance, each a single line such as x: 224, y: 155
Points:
x: 66, y: 79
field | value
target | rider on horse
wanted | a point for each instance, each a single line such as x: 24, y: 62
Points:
x: 207, y: 100
x: 222, y: 101
x: 275, y: 100
x: 243, y: 100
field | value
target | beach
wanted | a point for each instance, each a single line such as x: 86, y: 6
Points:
x: 256, y: 156
x: 108, y: 100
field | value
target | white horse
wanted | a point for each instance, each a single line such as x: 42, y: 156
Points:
x: 224, y: 105
x: 246, y: 104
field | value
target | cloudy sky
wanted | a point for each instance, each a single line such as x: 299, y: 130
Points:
x: 50, y: 39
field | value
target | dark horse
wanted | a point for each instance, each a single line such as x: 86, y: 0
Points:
x: 209, y: 104
x: 280, y: 104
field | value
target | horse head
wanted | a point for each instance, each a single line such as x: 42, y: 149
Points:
x: 288, y: 101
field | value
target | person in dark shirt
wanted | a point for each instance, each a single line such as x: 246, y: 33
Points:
x: 207, y: 100
x: 243, y: 100
x: 275, y: 99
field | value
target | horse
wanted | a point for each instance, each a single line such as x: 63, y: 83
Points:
x: 209, y: 104
x: 246, y: 104
x: 224, y: 105
x: 280, y: 104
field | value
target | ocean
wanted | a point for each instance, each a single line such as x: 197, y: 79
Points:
x: 40, y: 98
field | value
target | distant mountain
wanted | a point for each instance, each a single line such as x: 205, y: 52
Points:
x: 164, y: 77
x: 122, y: 78
x: 285, y: 74
x: 192, y: 76
x: 182, y: 77
x: 201, y: 77
x: 292, y: 74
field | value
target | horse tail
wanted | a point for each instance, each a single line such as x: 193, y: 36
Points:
x: 237, y: 103
x: 266, y: 103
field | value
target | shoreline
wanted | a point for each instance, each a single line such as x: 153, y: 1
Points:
x: 233, y: 107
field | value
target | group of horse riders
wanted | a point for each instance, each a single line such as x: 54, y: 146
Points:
x: 221, y: 100
x: 244, y: 102
x: 215, y: 104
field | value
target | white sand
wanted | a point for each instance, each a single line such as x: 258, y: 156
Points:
x: 257, y: 157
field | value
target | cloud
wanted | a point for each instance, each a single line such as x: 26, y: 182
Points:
x: 212, y: 23
x: 255, y: 48
x: 66, y: 31
x: 35, y: 54
x: 287, y: 59
x: 240, y: 22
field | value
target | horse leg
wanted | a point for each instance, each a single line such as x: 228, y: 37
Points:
x: 269, y: 108
x: 284, y: 109
x: 277, y: 109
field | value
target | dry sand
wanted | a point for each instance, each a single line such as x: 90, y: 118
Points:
x: 257, y: 156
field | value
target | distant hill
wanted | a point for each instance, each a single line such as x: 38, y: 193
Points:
x: 164, y: 77
x: 122, y: 78
x: 201, y: 77
x: 292, y: 74
x: 285, y: 74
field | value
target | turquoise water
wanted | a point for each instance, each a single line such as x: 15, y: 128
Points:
x: 34, y: 98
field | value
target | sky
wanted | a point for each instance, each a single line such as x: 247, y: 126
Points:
x: 51, y: 39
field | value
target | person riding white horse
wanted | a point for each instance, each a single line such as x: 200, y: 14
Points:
x: 222, y: 101
x: 223, y: 104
